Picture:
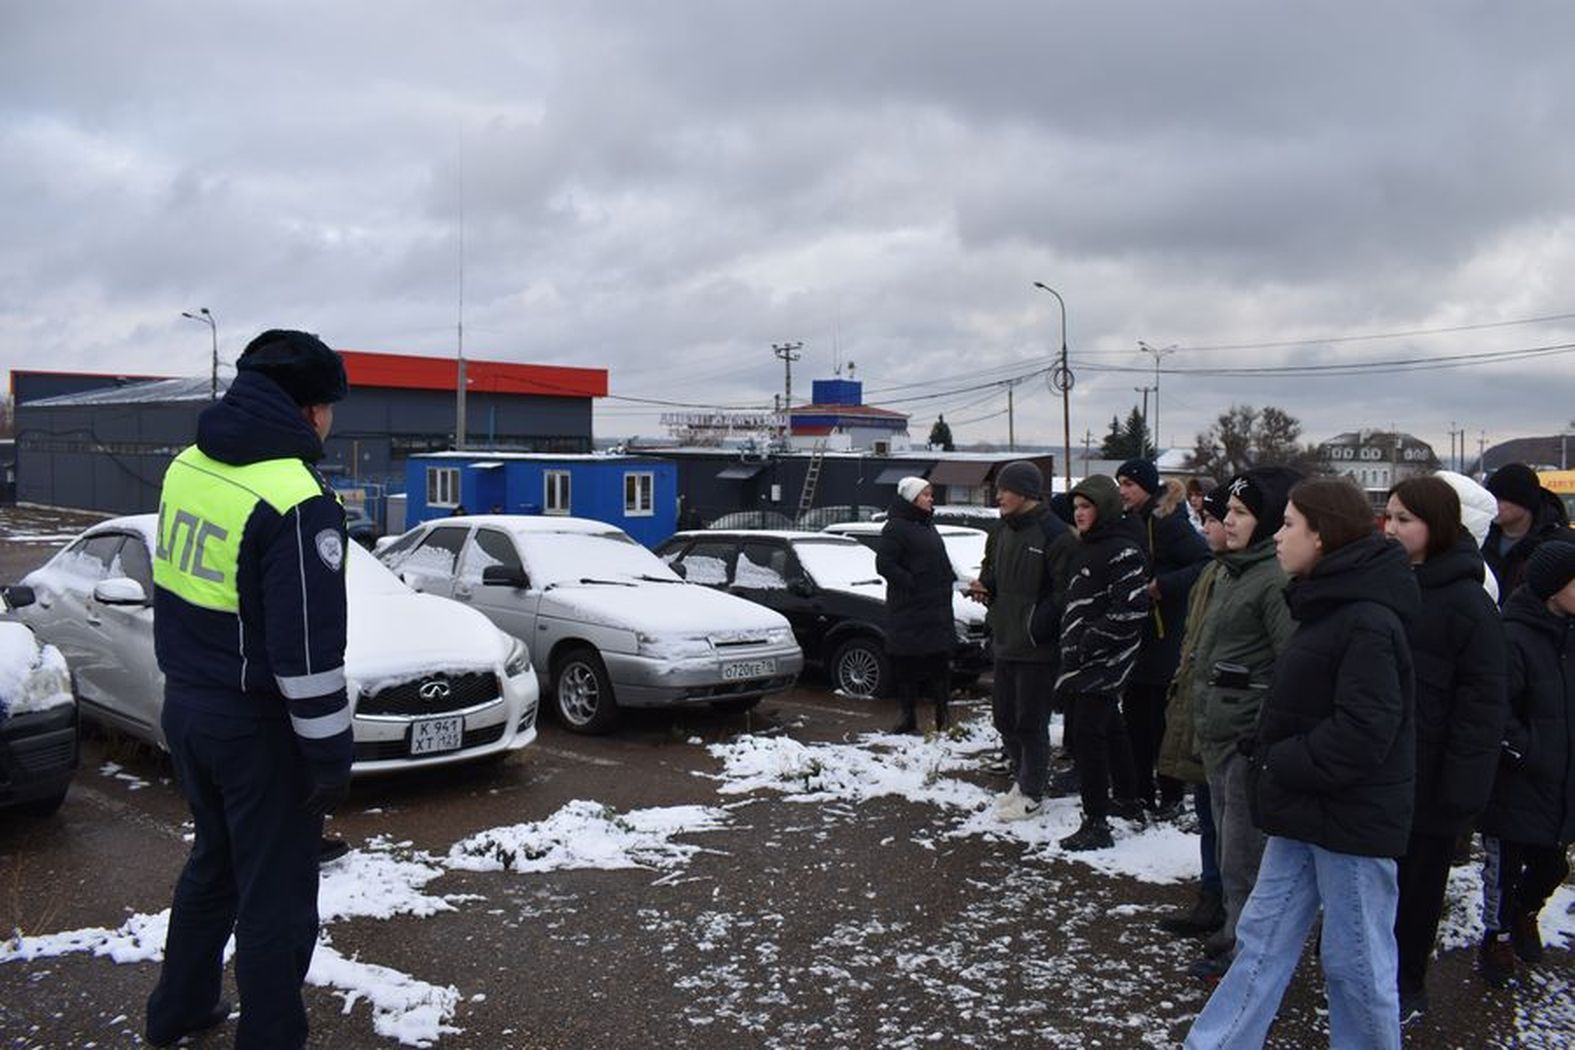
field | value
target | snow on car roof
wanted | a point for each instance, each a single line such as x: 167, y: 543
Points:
x: 775, y: 534
x: 527, y: 523
x: 865, y: 528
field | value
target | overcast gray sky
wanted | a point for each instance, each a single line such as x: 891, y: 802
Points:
x: 667, y: 189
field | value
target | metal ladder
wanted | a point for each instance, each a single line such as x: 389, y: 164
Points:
x: 806, y: 497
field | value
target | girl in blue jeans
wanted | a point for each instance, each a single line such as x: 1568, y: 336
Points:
x: 1331, y: 781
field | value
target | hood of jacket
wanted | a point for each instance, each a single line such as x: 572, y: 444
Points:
x: 1106, y: 498
x: 255, y: 421
x: 1371, y: 569
x: 1463, y: 561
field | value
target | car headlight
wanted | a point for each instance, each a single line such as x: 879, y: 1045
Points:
x: 780, y: 636
x: 519, y: 659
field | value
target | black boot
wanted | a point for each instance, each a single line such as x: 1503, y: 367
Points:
x: 1205, y: 916
x: 907, y: 723
x: 941, y: 717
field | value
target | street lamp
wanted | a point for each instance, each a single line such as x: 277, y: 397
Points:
x: 1061, y: 379
x: 1158, y: 353
x: 206, y: 318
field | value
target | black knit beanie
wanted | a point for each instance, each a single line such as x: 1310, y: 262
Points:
x: 1022, y: 477
x: 1263, y: 491
x: 1516, y: 483
x: 1141, y: 471
x: 1550, y: 568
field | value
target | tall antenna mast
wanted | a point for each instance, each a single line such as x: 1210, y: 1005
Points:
x: 460, y: 382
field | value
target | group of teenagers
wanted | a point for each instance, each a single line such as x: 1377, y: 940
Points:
x: 1348, y: 700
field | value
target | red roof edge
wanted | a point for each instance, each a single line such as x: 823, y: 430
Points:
x: 406, y: 372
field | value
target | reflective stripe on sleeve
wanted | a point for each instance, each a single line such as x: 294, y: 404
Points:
x: 323, y: 726
x: 306, y: 686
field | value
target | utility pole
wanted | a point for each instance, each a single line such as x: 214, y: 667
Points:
x: 1147, y: 433
x: 1011, y: 424
x: 1158, y: 352
x: 207, y: 318
x: 788, y: 353
x: 1481, y: 450
x: 1088, y: 448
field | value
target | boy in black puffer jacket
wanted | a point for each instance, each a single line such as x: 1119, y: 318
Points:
x: 1101, y: 630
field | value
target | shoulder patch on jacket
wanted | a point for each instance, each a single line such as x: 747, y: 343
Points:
x: 331, y: 549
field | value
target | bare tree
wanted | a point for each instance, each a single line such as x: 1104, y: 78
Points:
x: 1244, y: 437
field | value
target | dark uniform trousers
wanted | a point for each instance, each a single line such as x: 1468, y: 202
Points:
x: 255, y: 858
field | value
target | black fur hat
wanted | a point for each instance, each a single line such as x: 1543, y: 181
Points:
x: 301, y: 363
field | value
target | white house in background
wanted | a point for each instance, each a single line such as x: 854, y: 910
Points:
x: 1377, y: 459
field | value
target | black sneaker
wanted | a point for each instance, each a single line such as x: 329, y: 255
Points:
x: 331, y: 849
x: 1091, y: 834
x: 1127, y: 809
x: 1413, y: 1007
x: 1202, y: 919
x: 1210, y: 970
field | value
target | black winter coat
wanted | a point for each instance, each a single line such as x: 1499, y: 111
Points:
x: 1534, y: 794
x: 1550, y: 521
x: 1457, y: 645
x: 1176, y: 556
x: 1106, y: 605
x: 1334, y: 762
x: 1026, y: 563
x: 919, y: 581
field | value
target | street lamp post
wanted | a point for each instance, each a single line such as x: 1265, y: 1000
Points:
x: 206, y: 318
x: 1158, y: 352
x: 1061, y: 379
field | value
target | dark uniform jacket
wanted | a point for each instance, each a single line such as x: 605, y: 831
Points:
x: 1457, y: 644
x: 270, y: 644
x: 1334, y: 763
x: 1550, y: 521
x: 1176, y: 556
x: 919, y: 583
x: 1106, y: 606
x: 1533, y: 798
x: 1026, y: 562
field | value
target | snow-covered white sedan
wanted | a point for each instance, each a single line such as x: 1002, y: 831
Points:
x: 38, y: 720
x: 431, y: 683
x: 610, y: 624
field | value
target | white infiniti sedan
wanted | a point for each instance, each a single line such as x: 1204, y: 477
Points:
x: 431, y: 683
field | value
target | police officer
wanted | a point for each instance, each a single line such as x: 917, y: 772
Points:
x: 249, y: 628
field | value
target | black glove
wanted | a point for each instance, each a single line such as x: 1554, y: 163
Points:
x: 326, y: 797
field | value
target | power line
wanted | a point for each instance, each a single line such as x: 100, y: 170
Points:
x: 1381, y: 335
x: 1349, y: 368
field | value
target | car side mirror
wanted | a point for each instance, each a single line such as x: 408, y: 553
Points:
x: 121, y: 590
x: 801, y: 586
x: 17, y: 596
x: 504, y: 576
x: 679, y: 569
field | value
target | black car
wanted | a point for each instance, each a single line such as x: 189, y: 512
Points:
x: 38, y: 717
x: 828, y: 589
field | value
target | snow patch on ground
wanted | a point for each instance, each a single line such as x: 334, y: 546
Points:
x: 587, y: 834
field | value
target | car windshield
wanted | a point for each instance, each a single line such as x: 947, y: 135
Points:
x: 568, y: 557
x: 834, y: 563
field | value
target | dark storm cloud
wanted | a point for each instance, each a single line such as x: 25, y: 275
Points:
x: 667, y: 189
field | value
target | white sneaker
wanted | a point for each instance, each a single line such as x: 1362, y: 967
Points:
x: 1007, y: 797
x: 1020, y: 808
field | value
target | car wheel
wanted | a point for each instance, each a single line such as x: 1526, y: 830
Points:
x: 583, y: 692
x: 737, y: 706
x: 858, y: 668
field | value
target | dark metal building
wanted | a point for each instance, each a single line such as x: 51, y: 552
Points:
x: 106, y: 449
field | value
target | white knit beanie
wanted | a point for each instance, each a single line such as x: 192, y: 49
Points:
x: 910, y: 487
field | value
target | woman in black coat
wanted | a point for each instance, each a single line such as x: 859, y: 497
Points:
x: 1457, y: 644
x: 921, y: 629
x: 1530, y: 819
x: 1334, y: 762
